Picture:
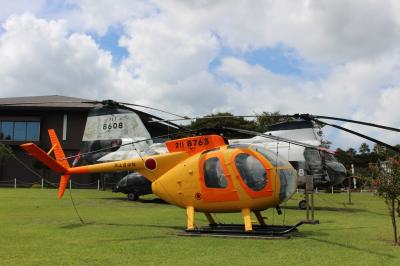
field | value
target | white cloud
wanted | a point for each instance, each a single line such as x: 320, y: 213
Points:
x: 38, y: 57
x: 323, y: 31
x: 171, y: 44
x: 15, y: 7
x: 99, y: 15
x: 160, y: 51
x: 361, y: 90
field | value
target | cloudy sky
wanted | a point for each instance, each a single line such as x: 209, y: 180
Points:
x: 336, y: 58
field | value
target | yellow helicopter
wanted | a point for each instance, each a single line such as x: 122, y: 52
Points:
x: 200, y: 174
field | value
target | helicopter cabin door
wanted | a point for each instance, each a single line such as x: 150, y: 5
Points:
x: 215, y: 181
x: 253, y: 173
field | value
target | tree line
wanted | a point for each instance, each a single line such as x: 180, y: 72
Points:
x: 365, y: 158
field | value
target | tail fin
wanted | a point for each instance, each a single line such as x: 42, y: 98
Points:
x: 60, y: 157
x: 58, y: 151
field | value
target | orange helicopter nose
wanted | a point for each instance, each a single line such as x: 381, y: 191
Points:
x: 160, y: 191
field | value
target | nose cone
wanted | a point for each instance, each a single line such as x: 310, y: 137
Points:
x: 336, y: 172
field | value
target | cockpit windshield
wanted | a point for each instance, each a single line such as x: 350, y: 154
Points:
x: 312, y: 156
x: 328, y: 156
x: 316, y: 156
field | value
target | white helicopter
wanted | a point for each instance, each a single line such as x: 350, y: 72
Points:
x: 320, y: 163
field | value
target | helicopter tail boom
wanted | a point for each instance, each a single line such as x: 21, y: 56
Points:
x: 152, y: 167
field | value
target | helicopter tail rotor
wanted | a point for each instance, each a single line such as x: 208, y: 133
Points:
x: 59, y: 164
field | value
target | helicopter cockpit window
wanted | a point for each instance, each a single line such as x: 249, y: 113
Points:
x: 213, y: 174
x: 328, y: 156
x: 312, y: 156
x: 251, y: 171
x: 108, y: 145
x: 272, y: 157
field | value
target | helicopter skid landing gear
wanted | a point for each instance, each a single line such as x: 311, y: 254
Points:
x: 236, y: 231
x: 210, y: 219
x: 246, y: 230
x: 260, y: 219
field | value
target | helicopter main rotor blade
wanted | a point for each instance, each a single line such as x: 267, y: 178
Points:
x: 182, y: 118
x: 132, y: 142
x: 308, y: 117
x: 125, y: 104
x: 269, y: 136
x: 209, y: 117
x: 359, y: 134
x: 303, y: 116
x: 152, y: 108
x: 105, y: 102
x: 108, y: 102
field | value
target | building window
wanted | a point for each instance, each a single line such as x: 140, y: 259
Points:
x: 32, y: 131
x: 20, y: 130
x: 6, y: 130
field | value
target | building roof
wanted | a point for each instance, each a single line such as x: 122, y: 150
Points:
x: 46, y: 102
x: 58, y: 102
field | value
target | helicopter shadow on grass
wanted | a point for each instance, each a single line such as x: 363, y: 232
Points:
x: 314, y: 236
x: 384, y: 213
x: 325, y: 232
x: 352, y: 247
x: 134, y: 239
x: 307, y: 233
x: 80, y: 225
x: 325, y: 208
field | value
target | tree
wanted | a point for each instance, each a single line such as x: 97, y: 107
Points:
x: 364, y: 148
x: 260, y: 124
x: 227, y: 120
x: 388, y: 187
x: 383, y: 152
x: 343, y: 157
x: 351, y: 152
x: 266, y: 119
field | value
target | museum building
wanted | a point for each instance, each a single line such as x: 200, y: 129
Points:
x: 27, y: 119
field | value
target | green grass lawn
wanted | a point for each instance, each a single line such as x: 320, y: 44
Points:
x: 36, y: 228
